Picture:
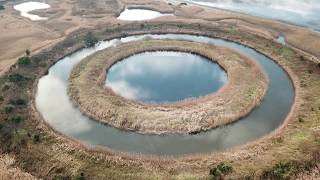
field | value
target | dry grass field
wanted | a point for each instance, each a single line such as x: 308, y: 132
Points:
x: 31, y: 149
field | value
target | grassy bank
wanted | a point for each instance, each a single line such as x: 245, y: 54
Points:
x: 46, y: 154
x: 246, y: 81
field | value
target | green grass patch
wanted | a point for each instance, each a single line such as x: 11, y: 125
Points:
x: 233, y: 30
x: 24, y: 61
x: 285, y: 52
x: 299, y: 136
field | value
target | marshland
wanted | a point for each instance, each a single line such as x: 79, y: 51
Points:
x: 175, y: 90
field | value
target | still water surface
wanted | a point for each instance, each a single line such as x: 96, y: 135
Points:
x: 53, y: 103
x: 300, y: 12
x: 159, y: 77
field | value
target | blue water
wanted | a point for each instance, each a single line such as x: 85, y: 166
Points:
x: 159, y: 77
x: 299, y: 12
x: 58, y: 111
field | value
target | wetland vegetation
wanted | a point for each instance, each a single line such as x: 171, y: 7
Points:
x: 33, y: 146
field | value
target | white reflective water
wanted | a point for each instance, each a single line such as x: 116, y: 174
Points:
x: 53, y: 103
x: 139, y: 15
x: 299, y: 12
x: 26, y: 7
x: 166, y: 76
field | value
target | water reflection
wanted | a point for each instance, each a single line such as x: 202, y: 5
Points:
x: 155, y: 77
x: 299, y: 12
x: 53, y: 103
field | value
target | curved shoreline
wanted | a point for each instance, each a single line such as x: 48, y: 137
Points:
x: 236, y: 155
x: 236, y: 99
x: 247, y: 147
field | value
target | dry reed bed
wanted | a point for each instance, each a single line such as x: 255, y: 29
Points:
x: 244, y: 90
x: 58, y: 155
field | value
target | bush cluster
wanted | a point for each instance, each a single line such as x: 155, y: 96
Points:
x: 90, y: 40
x: 282, y: 170
x: 8, y: 108
x: 18, y: 102
x: 16, y: 77
x: 24, y: 61
x: 220, y: 170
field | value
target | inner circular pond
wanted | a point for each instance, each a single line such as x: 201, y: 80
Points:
x: 165, y: 76
x: 58, y: 111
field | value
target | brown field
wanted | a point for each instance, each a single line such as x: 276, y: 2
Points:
x: 294, y: 146
x: 66, y: 16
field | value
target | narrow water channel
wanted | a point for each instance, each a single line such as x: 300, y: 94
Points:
x: 56, y: 108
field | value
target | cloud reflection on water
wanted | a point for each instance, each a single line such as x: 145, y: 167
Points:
x: 156, y: 76
x: 300, y: 12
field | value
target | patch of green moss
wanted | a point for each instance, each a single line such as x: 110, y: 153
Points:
x: 285, y: 52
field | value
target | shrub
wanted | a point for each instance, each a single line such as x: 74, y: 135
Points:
x: 90, y: 40
x: 8, y: 108
x: 1, y: 98
x: 16, y: 119
x: 18, y: 102
x: 1, y: 7
x: 28, y: 52
x: 214, y: 173
x: 282, y: 170
x: 24, y: 61
x: 16, y: 77
x: 36, y: 138
x: 220, y: 170
x: 225, y: 168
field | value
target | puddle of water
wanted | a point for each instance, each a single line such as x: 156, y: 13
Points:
x: 159, y: 77
x: 139, y: 15
x: 53, y: 103
x: 25, y: 8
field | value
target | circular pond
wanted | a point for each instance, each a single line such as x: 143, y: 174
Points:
x: 56, y: 108
x: 166, y: 76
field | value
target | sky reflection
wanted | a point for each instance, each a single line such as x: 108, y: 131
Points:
x: 299, y: 12
x: 165, y: 77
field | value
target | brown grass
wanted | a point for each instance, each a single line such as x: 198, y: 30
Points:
x: 59, y: 156
x: 244, y: 90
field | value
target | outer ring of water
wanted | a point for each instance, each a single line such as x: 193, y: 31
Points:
x: 58, y: 111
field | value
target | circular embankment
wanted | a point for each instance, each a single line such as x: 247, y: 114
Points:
x: 244, y: 90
